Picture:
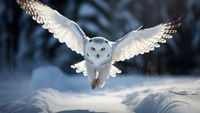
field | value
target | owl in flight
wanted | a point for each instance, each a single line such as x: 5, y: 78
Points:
x: 99, y: 53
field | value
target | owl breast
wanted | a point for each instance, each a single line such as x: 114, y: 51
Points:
x: 98, y: 64
x: 98, y: 53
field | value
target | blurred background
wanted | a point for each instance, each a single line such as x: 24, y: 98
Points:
x: 25, y: 45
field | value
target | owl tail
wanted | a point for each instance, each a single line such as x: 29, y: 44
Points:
x: 81, y: 67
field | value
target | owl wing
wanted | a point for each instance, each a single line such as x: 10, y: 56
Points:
x: 64, y: 29
x: 143, y: 41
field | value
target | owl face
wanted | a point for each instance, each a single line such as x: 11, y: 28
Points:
x: 98, y: 49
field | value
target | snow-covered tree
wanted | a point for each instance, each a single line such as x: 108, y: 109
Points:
x: 25, y: 44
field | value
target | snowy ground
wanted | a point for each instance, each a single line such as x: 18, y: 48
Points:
x: 49, y: 91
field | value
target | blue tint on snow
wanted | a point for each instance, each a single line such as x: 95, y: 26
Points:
x: 87, y: 10
x: 50, y: 90
x: 104, y: 21
x: 103, y: 4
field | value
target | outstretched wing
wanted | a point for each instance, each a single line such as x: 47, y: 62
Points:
x: 64, y: 29
x: 143, y: 41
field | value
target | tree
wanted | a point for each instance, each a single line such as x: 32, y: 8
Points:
x: 23, y: 43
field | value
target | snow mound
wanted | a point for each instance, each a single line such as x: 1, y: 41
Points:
x: 53, y: 101
x: 47, y: 77
x: 176, y: 98
x: 53, y: 91
x: 53, y: 77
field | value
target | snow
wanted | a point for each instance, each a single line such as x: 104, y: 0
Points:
x: 91, y: 26
x: 49, y: 90
x: 165, y: 98
x: 109, y: 19
x: 133, y: 22
x: 87, y: 10
x: 23, y: 45
x: 104, y: 21
x: 103, y: 5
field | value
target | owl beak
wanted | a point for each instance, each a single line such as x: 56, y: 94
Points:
x: 97, y: 55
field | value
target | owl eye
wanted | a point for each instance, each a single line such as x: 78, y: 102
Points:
x: 102, y: 49
x: 92, y: 48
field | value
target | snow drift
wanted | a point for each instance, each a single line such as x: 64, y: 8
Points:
x: 172, y: 97
x: 50, y: 90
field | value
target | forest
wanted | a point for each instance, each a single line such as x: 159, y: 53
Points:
x: 25, y: 45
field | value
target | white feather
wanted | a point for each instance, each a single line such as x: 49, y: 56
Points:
x: 63, y: 28
x: 139, y: 42
x: 98, y: 63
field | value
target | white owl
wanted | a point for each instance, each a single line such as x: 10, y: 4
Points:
x: 100, y: 54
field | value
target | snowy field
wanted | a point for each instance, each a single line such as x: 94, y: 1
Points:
x: 49, y: 91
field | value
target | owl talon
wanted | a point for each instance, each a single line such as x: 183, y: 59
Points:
x: 93, y: 84
x: 93, y: 87
x: 98, y: 82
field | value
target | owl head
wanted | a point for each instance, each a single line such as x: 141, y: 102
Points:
x: 98, y: 48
